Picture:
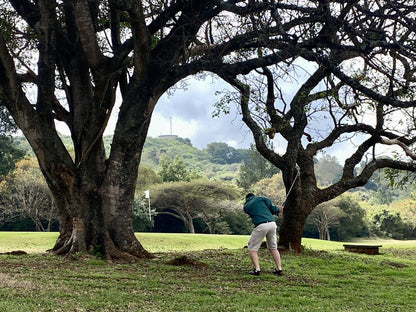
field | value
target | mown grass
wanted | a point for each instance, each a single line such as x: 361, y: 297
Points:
x: 323, y: 278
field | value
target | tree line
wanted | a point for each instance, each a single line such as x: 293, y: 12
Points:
x: 184, y: 201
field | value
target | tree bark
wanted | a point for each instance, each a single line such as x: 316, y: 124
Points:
x: 190, y: 223
x: 95, y: 213
x: 297, y: 209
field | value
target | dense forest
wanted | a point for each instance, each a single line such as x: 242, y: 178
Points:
x: 185, y: 189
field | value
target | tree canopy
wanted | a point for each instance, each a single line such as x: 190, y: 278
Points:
x: 222, y: 153
x: 24, y: 195
x: 73, y: 61
x: 344, y: 73
x: 9, y: 155
x: 254, y: 169
x: 173, y: 170
x: 207, y: 200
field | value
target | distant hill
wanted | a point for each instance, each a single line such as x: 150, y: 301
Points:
x: 327, y: 169
x: 196, y: 160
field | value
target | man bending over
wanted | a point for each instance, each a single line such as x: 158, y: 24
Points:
x: 261, y: 211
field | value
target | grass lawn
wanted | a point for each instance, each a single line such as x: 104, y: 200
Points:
x: 323, y: 278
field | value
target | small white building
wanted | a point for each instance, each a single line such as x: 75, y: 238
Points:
x: 168, y: 136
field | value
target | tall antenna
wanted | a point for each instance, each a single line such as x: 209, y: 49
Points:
x: 171, y: 125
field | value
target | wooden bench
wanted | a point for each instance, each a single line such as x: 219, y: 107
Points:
x: 365, y: 249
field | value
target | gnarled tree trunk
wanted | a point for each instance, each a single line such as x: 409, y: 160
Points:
x: 95, y: 206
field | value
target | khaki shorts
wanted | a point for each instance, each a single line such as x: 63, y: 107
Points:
x: 267, y: 230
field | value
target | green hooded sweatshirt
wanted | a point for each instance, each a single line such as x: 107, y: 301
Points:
x: 260, y: 209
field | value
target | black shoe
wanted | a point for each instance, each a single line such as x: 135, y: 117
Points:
x: 254, y: 272
x: 277, y: 272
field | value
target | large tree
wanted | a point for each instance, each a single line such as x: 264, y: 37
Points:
x: 70, y: 60
x: 187, y: 200
x: 346, y: 74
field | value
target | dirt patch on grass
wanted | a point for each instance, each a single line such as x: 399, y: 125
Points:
x: 394, y: 264
x: 15, y: 253
x: 185, y: 260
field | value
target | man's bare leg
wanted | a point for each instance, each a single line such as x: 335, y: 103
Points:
x: 276, y: 257
x: 255, y: 259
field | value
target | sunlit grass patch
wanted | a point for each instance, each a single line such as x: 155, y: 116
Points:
x: 30, y: 242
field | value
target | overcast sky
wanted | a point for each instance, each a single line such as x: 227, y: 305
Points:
x: 191, y: 113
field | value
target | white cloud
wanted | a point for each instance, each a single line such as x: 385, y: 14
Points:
x: 191, y: 113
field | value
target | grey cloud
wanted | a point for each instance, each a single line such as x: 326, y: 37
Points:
x: 195, y: 104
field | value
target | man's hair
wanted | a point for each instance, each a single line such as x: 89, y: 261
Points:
x: 249, y: 195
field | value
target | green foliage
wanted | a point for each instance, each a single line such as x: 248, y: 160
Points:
x: 372, y: 198
x: 326, y: 217
x: 222, y: 153
x: 273, y: 188
x: 383, y: 196
x: 143, y: 220
x: 206, y: 200
x: 328, y: 170
x: 154, y: 148
x: 344, y: 217
x: 399, y: 179
x: 25, y: 196
x: 238, y: 222
x: 196, y: 161
x: 173, y: 170
x: 9, y: 155
x: 146, y: 177
x: 387, y: 224
x: 254, y: 168
x: 352, y: 222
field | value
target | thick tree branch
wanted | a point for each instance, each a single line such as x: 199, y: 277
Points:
x: 346, y: 184
x: 28, y: 11
x: 250, y: 122
x: 397, y: 142
x: 9, y: 80
x: 47, y: 57
x: 356, y: 85
x: 87, y: 36
x: 162, y: 19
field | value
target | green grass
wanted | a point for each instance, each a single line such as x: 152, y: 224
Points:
x: 32, y: 242
x: 323, y: 278
x: 154, y: 242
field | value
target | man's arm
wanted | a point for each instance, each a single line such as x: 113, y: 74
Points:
x: 273, y: 209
